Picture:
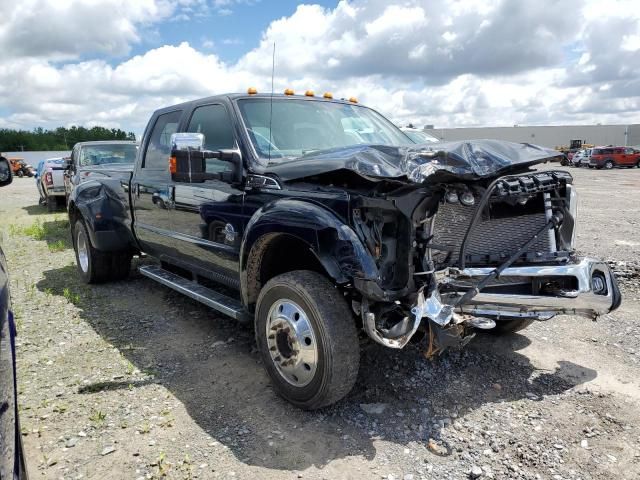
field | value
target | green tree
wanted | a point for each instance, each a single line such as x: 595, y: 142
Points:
x: 61, y: 138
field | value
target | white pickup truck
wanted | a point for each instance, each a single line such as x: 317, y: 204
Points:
x: 50, y: 182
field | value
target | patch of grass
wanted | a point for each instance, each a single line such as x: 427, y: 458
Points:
x: 163, y: 466
x: 36, y: 230
x: 57, y: 246
x: 55, y: 232
x: 31, y: 291
x: 71, y: 297
x: 144, y: 428
x: 98, y: 417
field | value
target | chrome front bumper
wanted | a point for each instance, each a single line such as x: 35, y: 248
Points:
x: 586, y: 300
x: 596, y: 294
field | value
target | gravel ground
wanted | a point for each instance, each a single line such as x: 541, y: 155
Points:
x: 133, y: 381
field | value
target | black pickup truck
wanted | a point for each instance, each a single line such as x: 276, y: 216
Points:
x: 330, y: 224
x: 103, y: 158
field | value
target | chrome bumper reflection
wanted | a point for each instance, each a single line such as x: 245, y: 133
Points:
x: 583, y: 301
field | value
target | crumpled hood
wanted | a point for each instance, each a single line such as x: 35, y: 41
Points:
x: 432, y: 162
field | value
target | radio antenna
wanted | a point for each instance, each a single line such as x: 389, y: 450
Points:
x: 273, y: 69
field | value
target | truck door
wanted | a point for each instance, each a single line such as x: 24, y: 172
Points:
x: 151, y: 192
x: 207, y: 218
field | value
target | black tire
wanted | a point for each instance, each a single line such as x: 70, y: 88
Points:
x: 609, y: 164
x: 638, y: 164
x: 507, y: 327
x: 61, y: 202
x: 19, y: 173
x: 96, y: 266
x: 333, y: 329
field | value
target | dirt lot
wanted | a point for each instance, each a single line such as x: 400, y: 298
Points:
x: 133, y: 381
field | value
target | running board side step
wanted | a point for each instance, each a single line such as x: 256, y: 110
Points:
x: 222, y: 303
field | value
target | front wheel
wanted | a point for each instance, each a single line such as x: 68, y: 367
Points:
x: 307, y: 339
x: 608, y: 164
x: 20, y: 174
x: 96, y: 266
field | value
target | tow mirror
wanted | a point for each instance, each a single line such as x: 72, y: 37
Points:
x: 185, y: 141
x: 6, y: 177
x: 188, y: 161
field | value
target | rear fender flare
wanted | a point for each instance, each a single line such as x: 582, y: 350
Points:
x: 105, y: 212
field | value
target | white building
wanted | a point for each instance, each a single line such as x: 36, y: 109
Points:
x: 546, y: 136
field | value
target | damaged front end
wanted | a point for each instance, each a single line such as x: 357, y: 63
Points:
x: 467, y: 247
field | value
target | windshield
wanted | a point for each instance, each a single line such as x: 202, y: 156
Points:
x: 420, y: 137
x: 298, y: 127
x: 107, y: 154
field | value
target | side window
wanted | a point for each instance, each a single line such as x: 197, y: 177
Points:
x: 628, y: 151
x: 214, y: 123
x: 159, y: 146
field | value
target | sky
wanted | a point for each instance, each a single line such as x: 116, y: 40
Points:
x: 448, y: 63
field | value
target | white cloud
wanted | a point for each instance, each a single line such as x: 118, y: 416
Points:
x: 66, y: 29
x: 442, y: 62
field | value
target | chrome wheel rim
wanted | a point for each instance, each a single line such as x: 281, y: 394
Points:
x: 292, y: 343
x: 83, y: 252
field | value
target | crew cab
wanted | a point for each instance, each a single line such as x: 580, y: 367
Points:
x: 105, y: 158
x: 321, y: 222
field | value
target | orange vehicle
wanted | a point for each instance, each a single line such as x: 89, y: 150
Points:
x: 609, y: 157
x: 20, y: 168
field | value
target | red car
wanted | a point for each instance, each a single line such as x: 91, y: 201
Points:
x: 609, y: 157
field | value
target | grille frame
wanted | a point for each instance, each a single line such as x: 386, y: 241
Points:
x: 491, y: 240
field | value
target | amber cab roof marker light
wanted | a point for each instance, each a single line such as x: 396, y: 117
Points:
x: 289, y: 91
x: 328, y: 95
x: 353, y: 100
x: 309, y: 93
x: 252, y: 90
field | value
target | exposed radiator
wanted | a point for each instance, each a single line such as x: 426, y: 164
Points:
x: 497, y: 238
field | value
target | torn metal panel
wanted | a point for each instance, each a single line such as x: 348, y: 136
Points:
x: 433, y: 162
x: 471, y: 159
